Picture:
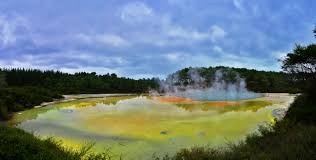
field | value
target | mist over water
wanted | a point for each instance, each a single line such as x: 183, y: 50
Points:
x: 221, y: 89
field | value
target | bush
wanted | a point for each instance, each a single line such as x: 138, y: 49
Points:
x: 16, y: 99
x: 3, y: 111
x: 16, y: 144
x: 303, y: 110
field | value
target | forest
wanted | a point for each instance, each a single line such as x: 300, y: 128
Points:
x: 25, y: 88
x: 83, y: 82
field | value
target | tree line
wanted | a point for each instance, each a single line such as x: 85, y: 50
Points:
x: 82, y: 82
x: 25, y: 88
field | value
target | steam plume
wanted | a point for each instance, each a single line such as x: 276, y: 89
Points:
x: 222, y: 87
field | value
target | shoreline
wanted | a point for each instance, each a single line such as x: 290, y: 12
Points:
x: 72, y: 97
x: 67, y: 98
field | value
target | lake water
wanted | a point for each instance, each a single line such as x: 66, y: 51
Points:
x: 136, y: 127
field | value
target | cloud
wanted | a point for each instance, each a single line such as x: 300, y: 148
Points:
x: 179, y: 60
x: 112, y: 39
x: 107, y: 39
x: 6, y: 32
x: 68, y: 61
x: 12, y: 29
x: 238, y: 4
x: 135, y: 12
x: 279, y: 54
x: 68, y: 69
x: 175, y: 2
x: 218, y: 49
x: 141, y: 76
x: 174, y: 56
x: 98, y: 70
x: 217, y: 33
x: 180, y: 32
x: 158, y: 27
x: 145, y: 38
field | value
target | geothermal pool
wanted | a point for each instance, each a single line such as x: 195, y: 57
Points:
x: 138, y: 127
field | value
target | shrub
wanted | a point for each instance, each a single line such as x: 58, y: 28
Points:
x: 16, y: 144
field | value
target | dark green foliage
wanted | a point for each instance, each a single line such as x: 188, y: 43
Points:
x: 77, y: 83
x: 302, y: 62
x: 195, y: 153
x: 16, y: 144
x: 303, y: 109
x: 286, y: 140
x: 19, y: 145
x: 30, y: 96
x: 3, y: 82
x: 20, y: 98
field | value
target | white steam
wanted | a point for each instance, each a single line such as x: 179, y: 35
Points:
x: 196, y: 87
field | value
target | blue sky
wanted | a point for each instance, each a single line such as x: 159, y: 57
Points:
x: 151, y: 38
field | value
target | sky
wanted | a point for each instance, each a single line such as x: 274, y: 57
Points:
x: 150, y: 38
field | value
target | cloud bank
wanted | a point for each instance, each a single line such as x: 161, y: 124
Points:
x: 151, y: 38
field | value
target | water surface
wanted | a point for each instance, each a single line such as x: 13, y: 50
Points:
x: 136, y: 127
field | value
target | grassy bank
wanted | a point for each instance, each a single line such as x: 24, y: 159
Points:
x: 16, y: 144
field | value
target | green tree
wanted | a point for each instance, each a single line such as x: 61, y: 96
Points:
x: 302, y: 62
x: 2, y: 80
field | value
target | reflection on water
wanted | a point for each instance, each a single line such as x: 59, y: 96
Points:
x: 137, y: 127
x: 89, y: 102
x: 227, y: 106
